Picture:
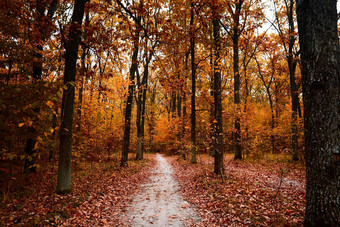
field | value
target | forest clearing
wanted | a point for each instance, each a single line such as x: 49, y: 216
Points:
x: 169, y: 113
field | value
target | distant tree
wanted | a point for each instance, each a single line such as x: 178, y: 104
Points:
x: 65, y: 134
x: 320, y: 58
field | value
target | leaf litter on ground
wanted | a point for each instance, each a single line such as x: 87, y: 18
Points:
x: 253, y: 194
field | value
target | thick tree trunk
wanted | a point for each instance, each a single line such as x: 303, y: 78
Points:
x: 320, y: 58
x: 65, y: 134
x: 218, y: 133
x: 193, y: 87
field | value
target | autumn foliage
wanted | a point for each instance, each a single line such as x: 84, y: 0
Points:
x: 148, y: 51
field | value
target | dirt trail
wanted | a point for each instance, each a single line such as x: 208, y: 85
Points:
x: 159, y: 202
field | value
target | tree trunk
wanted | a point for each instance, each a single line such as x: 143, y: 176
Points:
x: 128, y: 108
x: 237, y: 99
x: 53, y: 146
x: 218, y: 133
x: 65, y: 134
x: 212, y: 107
x: 152, y: 117
x: 141, y: 110
x: 193, y: 87
x: 293, y: 87
x: 179, y: 114
x: 272, y: 136
x: 320, y: 61
x: 246, y: 109
x: 83, y: 75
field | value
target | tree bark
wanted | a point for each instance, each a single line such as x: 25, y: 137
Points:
x: 142, y: 88
x: 237, y: 99
x: 218, y: 132
x: 128, y: 108
x: 65, y: 134
x: 320, y: 61
x: 193, y: 86
x: 83, y: 75
x: 293, y: 87
x: 152, y: 117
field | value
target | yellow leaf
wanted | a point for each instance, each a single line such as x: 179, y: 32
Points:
x: 50, y: 104
x: 21, y: 124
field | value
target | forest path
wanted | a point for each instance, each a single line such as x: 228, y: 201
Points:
x: 159, y: 202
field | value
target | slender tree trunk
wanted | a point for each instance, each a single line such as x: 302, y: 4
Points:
x: 65, y: 134
x: 184, y: 115
x: 246, y: 110
x: 128, y: 109
x: 139, y: 104
x: 295, y: 106
x: 212, y: 107
x: 83, y: 75
x: 152, y: 117
x: 193, y: 87
x: 10, y: 66
x: 143, y: 120
x: 237, y: 99
x: 142, y: 88
x: 80, y: 104
x: 218, y: 132
x: 272, y: 136
x: 179, y: 114
x: 53, y: 146
x: 293, y: 87
x: 320, y: 61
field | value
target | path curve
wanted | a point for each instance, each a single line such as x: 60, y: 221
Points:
x: 159, y: 202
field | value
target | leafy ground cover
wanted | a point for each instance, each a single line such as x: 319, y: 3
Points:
x: 100, y: 195
x: 251, y: 193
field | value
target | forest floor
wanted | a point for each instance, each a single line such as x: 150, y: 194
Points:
x: 251, y: 193
x: 101, y: 194
x: 159, y: 191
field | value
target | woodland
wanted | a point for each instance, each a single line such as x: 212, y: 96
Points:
x: 238, y: 100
